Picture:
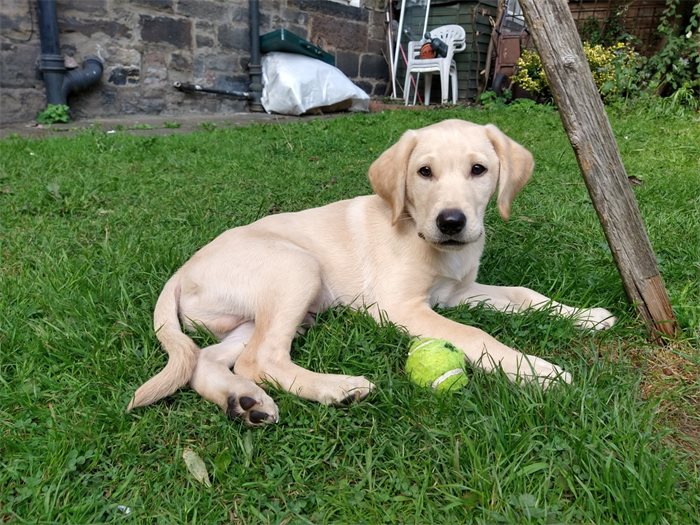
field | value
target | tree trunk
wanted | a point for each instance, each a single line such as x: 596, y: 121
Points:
x: 558, y: 44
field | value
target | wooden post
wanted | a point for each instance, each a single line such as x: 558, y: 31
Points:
x: 581, y: 109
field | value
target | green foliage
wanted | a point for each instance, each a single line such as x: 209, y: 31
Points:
x: 676, y: 67
x: 491, y: 100
x: 616, y: 71
x: 54, y: 114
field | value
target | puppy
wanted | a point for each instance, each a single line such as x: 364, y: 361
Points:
x: 416, y: 243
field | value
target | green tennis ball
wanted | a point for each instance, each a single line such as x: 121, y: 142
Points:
x: 436, y: 363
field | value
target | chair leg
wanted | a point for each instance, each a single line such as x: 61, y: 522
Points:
x: 444, y: 85
x: 428, y: 86
x: 415, y: 88
x: 455, y: 91
x: 407, y: 88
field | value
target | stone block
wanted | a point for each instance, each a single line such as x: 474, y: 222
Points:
x: 16, y: 25
x: 381, y: 89
x: 166, y: 30
x: 204, y: 9
x: 204, y: 41
x: 18, y: 67
x: 294, y: 16
x: 153, y: 5
x: 374, y: 66
x: 96, y: 8
x: 89, y: 26
x: 339, y: 34
x: 348, y: 62
x: 233, y: 37
x: 118, y: 54
x: 180, y: 62
x: 121, y: 76
x: 333, y: 9
x: 364, y: 86
x: 21, y: 105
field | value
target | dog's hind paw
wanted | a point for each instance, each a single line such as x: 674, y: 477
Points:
x: 257, y: 411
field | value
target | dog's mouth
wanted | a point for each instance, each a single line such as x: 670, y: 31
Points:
x: 452, y: 243
x: 448, y: 243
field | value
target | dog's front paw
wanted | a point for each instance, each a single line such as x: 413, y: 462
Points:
x: 594, y: 319
x: 347, y: 389
x: 543, y: 372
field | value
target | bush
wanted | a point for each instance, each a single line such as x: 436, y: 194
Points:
x: 676, y: 67
x: 616, y: 71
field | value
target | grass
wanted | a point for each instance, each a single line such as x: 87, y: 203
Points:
x: 92, y: 226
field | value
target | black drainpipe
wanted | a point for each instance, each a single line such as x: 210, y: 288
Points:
x: 59, y: 81
x: 254, y: 67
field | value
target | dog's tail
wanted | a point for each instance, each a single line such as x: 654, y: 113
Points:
x: 182, y: 351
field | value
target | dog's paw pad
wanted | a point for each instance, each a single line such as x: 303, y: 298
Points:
x: 253, y: 412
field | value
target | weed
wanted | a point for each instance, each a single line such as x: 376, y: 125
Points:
x: 54, y: 114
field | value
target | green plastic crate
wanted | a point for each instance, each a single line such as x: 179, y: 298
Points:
x: 286, y: 41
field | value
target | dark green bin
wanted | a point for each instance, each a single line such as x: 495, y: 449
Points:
x: 286, y: 41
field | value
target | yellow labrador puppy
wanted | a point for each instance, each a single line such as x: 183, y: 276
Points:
x: 414, y: 244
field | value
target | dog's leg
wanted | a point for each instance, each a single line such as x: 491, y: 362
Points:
x: 479, y: 347
x: 292, y: 288
x: 238, y: 396
x: 518, y: 298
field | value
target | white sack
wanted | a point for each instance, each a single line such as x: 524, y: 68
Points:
x: 294, y: 84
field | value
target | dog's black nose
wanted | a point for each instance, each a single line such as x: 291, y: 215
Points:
x: 451, y: 221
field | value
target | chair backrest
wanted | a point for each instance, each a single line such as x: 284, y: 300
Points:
x: 452, y: 34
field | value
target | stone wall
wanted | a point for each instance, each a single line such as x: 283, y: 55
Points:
x: 147, y: 45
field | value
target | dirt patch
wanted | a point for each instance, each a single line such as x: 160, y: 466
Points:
x: 672, y: 376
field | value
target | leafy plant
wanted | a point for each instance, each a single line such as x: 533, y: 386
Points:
x: 490, y: 99
x: 54, y: 114
x: 677, y: 64
x: 615, y: 69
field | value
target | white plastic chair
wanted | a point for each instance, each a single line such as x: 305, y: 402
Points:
x: 455, y: 38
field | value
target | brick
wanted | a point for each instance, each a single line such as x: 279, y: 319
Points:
x: 162, y: 29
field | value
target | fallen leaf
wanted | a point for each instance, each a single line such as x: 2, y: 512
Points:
x: 196, y: 466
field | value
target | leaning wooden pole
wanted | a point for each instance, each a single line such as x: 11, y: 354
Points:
x: 559, y: 46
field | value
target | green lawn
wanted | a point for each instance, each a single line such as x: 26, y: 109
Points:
x: 92, y: 226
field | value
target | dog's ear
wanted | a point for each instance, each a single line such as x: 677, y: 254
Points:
x: 516, y: 168
x: 388, y: 173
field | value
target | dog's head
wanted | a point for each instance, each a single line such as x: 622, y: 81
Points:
x: 443, y: 176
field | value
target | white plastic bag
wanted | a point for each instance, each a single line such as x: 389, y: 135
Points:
x: 294, y: 84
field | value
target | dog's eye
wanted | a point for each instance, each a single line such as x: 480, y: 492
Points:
x: 425, y: 172
x: 478, y: 169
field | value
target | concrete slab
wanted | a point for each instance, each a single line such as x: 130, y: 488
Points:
x: 153, y: 125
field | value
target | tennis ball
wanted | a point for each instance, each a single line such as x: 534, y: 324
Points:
x: 436, y: 363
